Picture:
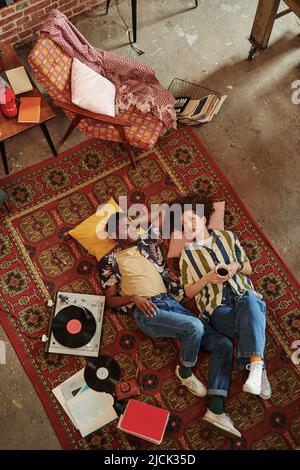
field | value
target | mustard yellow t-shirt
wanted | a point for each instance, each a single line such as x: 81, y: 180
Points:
x: 138, y: 275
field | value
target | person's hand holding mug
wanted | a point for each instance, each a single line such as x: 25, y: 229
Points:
x: 219, y: 275
x: 234, y: 267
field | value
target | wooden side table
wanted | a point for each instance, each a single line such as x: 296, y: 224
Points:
x: 11, y: 127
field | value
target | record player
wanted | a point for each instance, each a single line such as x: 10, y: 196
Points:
x: 76, y: 324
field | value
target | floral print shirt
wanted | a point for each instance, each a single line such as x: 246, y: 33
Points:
x: 148, y: 245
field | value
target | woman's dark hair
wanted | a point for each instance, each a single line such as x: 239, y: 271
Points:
x: 193, y: 200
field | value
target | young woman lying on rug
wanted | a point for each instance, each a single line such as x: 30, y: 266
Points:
x: 133, y: 275
x: 229, y: 303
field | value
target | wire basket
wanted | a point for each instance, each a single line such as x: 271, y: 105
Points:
x: 180, y: 88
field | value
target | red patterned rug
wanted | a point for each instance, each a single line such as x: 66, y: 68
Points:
x: 50, y: 198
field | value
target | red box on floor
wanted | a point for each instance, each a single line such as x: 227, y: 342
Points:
x: 146, y: 421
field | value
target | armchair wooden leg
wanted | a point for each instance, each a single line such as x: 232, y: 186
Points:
x: 126, y: 144
x: 71, y: 128
x: 7, y: 206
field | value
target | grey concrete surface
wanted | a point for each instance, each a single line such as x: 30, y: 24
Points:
x: 254, y: 139
x: 24, y: 424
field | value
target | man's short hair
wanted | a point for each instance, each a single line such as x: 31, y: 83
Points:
x: 112, y: 225
x: 193, y: 200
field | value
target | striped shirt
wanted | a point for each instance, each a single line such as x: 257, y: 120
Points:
x: 197, y: 259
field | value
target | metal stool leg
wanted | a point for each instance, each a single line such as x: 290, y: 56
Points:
x: 107, y: 6
x: 195, y: 6
x: 252, y: 53
x: 134, y: 17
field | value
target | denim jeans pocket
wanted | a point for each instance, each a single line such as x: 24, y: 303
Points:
x: 261, y: 302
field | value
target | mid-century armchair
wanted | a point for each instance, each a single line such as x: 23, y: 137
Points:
x: 52, y: 69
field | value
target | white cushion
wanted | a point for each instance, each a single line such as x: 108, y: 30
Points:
x: 91, y: 91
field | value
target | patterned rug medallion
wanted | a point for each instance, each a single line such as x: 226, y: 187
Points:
x: 52, y: 197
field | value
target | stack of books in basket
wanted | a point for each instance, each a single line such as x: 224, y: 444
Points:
x: 199, y: 110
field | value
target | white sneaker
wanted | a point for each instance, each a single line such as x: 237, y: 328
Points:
x: 266, y: 390
x: 222, y: 422
x: 253, y: 383
x: 192, y: 384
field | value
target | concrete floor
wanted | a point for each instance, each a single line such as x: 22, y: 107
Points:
x: 255, y: 139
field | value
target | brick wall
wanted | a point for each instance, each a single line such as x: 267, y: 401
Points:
x: 20, y: 22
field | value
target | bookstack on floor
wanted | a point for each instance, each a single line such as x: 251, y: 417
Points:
x: 200, y: 110
x: 195, y: 104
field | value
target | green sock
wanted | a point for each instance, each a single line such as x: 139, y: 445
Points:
x: 216, y: 404
x: 185, y: 372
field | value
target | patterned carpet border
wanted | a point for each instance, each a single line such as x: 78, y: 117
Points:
x: 186, y: 164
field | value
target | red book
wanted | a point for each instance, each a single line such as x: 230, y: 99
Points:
x: 145, y: 421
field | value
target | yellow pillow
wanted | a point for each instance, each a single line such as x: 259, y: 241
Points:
x: 88, y: 233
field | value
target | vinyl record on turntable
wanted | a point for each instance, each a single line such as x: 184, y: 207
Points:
x: 74, y: 326
x: 102, y: 373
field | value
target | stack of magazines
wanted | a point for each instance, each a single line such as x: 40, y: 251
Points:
x: 200, y: 110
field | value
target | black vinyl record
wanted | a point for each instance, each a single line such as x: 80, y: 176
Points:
x: 102, y: 373
x: 74, y: 326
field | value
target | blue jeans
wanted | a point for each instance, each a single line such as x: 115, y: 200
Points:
x: 244, y: 318
x: 172, y: 320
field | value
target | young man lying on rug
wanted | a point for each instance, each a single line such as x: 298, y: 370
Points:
x: 134, y: 276
x: 229, y: 303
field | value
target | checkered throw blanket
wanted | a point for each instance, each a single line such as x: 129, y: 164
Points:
x: 136, y: 83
